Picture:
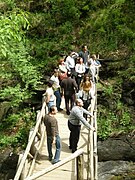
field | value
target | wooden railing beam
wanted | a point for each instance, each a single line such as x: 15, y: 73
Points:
x: 20, y: 168
x: 51, y: 168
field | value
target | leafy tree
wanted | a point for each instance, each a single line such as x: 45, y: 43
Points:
x: 15, y: 60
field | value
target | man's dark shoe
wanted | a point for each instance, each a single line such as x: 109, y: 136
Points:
x: 70, y: 147
x: 50, y: 158
x: 73, y: 150
x: 60, y: 109
x: 68, y: 113
x: 54, y: 162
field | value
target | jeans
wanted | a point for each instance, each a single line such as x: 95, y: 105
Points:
x: 74, y: 136
x: 58, y: 148
x: 58, y: 98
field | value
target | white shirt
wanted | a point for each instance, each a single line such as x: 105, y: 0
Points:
x: 50, y: 94
x: 80, y: 68
x: 62, y: 68
x: 56, y: 84
x: 70, y: 62
x: 94, y: 66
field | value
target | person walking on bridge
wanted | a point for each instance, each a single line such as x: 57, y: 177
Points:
x: 49, y: 95
x: 74, y: 124
x: 56, y: 88
x: 52, y: 134
x: 69, y: 88
x: 85, y: 54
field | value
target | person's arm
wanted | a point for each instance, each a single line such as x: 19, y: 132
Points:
x: 53, y: 127
x: 62, y: 89
x: 88, y: 54
x: 79, y: 116
x: 63, y: 68
x: 47, y: 97
x: 83, y: 71
x: 80, y: 54
x: 92, y: 90
x: 86, y: 112
x: 81, y: 85
x: 77, y: 68
x: 75, y: 85
x: 67, y: 64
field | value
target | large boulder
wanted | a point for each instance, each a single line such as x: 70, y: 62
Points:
x: 112, y: 170
x: 120, y: 148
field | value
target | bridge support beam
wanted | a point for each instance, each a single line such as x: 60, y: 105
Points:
x: 80, y: 167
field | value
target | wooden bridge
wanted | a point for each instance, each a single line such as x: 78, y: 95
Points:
x: 81, y: 165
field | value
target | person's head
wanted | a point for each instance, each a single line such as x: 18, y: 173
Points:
x: 69, y: 74
x: 61, y: 61
x: 74, y: 55
x: 79, y: 102
x: 79, y: 60
x: 56, y: 72
x: 93, y: 56
x: 70, y: 53
x: 50, y: 83
x: 86, y: 78
x: 84, y: 48
x: 53, y: 110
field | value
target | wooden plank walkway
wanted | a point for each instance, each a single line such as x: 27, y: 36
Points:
x: 67, y: 171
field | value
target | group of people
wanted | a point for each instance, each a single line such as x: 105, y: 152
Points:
x: 75, y: 75
x: 74, y: 79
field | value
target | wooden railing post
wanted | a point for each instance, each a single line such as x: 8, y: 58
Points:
x: 19, y: 160
x: 79, y: 167
x: 95, y: 140
x: 32, y: 149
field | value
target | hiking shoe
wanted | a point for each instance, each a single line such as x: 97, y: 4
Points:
x: 54, y: 161
x: 60, y: 109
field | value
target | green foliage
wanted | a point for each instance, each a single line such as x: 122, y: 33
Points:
x: 129, y: 69
x: 123, y: 116
x: 109, y: 122
x: 108, y: 90
x: 109, y: 25
x: 15, y: 94
x: 6, y: 5
x: 63, y: 10
x: 15, y: 129
x: 16, y: 62
x: 10, y: 122
x: 104, y: 128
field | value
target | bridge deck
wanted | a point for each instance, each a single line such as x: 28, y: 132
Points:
x: 67, y: 171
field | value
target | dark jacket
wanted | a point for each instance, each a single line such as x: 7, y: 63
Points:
x: 69, y: 85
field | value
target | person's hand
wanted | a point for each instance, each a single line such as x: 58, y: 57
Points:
x: 93, y: 129
x: 91, y: 115
x: 54, y: 140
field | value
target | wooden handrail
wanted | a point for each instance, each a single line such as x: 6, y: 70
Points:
x: 21, y: 165
x: 52, y: 167
x: 35, y: 156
